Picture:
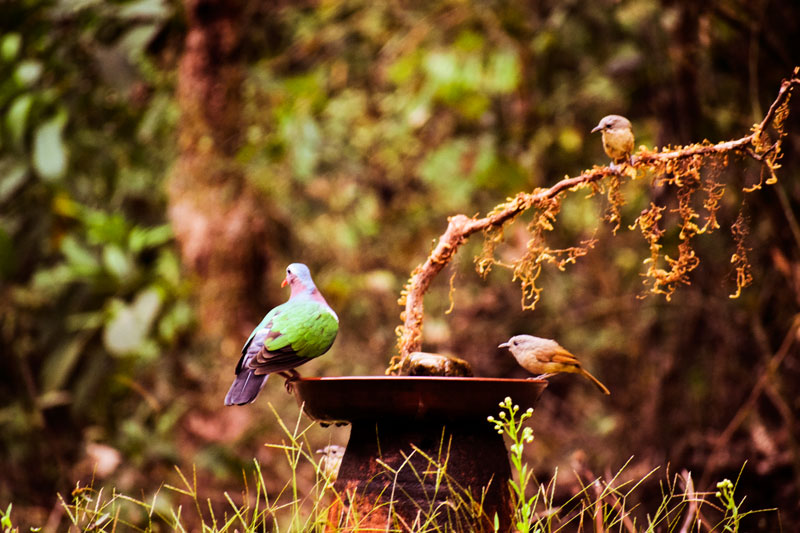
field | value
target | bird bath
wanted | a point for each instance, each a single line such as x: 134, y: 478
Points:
x: 402, y: 427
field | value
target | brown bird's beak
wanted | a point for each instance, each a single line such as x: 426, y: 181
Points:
x: 597, y: 128
x: 504, y: 345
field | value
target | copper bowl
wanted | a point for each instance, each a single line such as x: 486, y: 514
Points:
x: 349, y: 398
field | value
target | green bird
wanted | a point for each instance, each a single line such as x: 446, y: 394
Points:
x: 293, y: 333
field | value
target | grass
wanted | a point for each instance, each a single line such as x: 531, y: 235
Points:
x: 599, y: 505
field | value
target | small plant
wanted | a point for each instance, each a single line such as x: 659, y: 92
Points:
x: 508, y: 424
x: 733, y: 514
x: 725, y: 491
x: 5, y: 521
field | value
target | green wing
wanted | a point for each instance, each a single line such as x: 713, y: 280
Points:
x: 308, y: 329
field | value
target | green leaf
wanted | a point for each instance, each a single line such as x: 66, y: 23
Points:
x: 10, y: 46
x: 80, y: 259
x: 17, y: 118
x: 404, y: 68
x: 442, y: 67
x: 503, y: 72
x: 12, y: 177
x: 168, y: 267
x: 135, y: 41
x: 59, y: 365
x: 142, y: 238
x: 104, y: 228
x: 175, y: 321
x: 28, y: 72
x: 117, y: 262
x: 91, y: 320
x: 303, y: 136
x: 160, y: 116
x: 129, y: 326
x: 155, y: 9
x: 444, y: 168
x: 49, y: 150
x: 50, y: 282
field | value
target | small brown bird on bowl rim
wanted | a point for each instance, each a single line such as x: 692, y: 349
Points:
x: 546, y: 357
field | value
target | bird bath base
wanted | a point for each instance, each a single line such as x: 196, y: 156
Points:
x: 420, y: 449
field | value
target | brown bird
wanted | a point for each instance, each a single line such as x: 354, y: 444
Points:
x: 617, y: 138
x: 546, y: 357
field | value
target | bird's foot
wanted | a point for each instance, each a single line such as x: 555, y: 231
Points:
x: 617, y: 167
x: 621, y: 166
x: 544, y: 376
x: 291, y: 376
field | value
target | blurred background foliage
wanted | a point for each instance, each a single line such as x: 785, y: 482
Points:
x: 360, y: 127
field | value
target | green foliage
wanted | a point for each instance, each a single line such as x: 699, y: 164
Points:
x: 92, y: 290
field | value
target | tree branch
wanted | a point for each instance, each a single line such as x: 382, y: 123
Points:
x: 460, y: 227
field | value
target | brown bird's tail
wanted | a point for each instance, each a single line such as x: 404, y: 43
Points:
x: 595, y: 381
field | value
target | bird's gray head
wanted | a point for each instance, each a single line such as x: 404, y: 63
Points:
x: 613, y: 122
x: 298, y: 277
x: 522, y: 342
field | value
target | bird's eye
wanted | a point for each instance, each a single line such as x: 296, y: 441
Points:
x: 515, y: 343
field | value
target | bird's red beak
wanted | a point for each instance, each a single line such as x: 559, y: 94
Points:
x: 285, y: 282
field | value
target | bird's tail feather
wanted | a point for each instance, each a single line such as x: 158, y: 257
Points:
x: 245, y: 388
x: 595, y: 381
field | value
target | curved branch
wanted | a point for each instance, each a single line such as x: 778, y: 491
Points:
x: 460, y: 227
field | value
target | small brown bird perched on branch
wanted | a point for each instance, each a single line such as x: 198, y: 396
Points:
x: 617, y: 138
x: 546, y: 357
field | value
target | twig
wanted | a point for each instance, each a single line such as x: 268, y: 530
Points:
x: 615, y: 503
x: 460, y: 227
x: 694, y: 510
x: 598, y: 507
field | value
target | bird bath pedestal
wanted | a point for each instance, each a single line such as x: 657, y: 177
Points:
x: 406, y: 432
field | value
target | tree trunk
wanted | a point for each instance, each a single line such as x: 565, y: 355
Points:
x: 212, y: 209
